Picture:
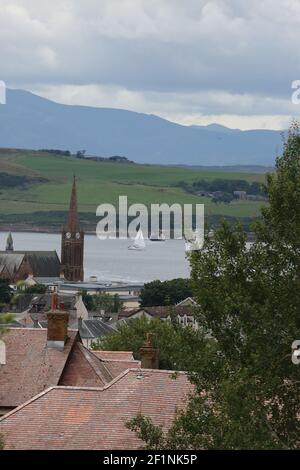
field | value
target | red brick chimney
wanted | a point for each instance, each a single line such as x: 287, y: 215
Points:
x: 58, y: 319
x: 149, y: 354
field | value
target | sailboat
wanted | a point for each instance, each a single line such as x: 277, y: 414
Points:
x: 139, y: 242
x: 157, y: 238
x: 195, y: 243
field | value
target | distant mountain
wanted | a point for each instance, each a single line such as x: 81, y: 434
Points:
x: 29, y: 121
x: 217, y: 128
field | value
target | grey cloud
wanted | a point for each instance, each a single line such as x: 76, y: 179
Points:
x: 170, y: 47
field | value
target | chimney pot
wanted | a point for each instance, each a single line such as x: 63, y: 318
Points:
x: 57, y: 329
x: 149, y: 354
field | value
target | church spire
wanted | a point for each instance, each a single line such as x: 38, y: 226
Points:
x: 9, y: 243
x: 72, y: 243
x: 73, y: 216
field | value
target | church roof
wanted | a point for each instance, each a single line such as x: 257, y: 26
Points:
x: 9, y: 243
x: 43, y: 263
x: 73, y: 224
x: 11, y: 261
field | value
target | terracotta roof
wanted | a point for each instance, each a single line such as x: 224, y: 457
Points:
x: 84, y: 369
x: 30, y: 366
x: 117, y: 367
x: 95, y: 418
x: 118, y: 355
x: 117, y: 361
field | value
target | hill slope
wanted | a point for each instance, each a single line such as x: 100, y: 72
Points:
x: 41, y: 191
x: 29, y: 121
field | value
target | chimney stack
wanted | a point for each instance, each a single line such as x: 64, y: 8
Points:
x: 149, y: 354
x: 58, y: 319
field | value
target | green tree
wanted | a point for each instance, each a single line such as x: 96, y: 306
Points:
x: 160, y: 293
x: 6, y: 291
x: 108, y: 303
x: 102, y: 301
x: 250, y: 303
x: 176, y: 344
x: 226, y: 198
x: 87, y: 300
x: 36, y: 289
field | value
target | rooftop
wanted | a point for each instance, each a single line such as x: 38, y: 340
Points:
x: 95, y: 418
x: 43, y: 263
x: 31, y: 366
x: 158, y: 312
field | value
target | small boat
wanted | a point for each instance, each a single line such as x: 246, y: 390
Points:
x: 193, y: 244
x: 158, y: 238
x: 139, y: 242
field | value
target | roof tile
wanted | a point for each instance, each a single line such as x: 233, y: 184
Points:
x: 87, y: 418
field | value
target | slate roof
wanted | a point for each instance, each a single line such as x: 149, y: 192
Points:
x: 42, y: 302
x: 11, y: 261
x: 95, y: 328
x: 88, y: 329
x: 43, y: 263
x: 95, y: 418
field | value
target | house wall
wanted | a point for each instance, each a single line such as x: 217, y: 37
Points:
x: 131, y: 303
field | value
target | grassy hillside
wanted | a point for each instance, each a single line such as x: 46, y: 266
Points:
x: 100, y: 182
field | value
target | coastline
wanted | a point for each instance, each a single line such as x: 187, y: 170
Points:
x: 57, y: 231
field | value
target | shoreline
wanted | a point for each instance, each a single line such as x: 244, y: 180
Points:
x: 54, y: 231
x: 250, y: 235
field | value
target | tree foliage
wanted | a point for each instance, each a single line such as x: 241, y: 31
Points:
x: 176, y: 344
x: 246, y: 387
x: 160, y: 293
x: 6, y: 291
x: 36, y: 289
x: 103, y: 301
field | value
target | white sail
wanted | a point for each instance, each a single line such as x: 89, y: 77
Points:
x: 139, y: 242
x: 157, y: 238
x: 194, y: 243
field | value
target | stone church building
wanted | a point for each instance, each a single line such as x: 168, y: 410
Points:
x: 18, y: 265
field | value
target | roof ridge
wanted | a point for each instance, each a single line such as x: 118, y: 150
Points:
x: 108, y: 351
x: 88, y: 327
x: 134, y: 361
x: 84, y: 350
x: 98, y: 389
x: 36, y: 397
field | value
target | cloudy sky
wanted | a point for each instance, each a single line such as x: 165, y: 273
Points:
x: 191, y: 61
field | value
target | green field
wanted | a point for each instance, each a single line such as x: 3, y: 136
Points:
x: 100, y: 182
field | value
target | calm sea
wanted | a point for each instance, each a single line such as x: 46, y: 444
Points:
x: 111, y: 259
